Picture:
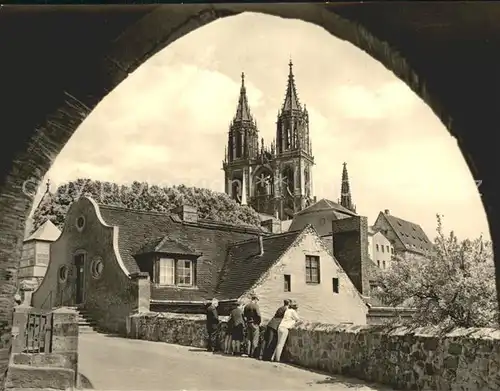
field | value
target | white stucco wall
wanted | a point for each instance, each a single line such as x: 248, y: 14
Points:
x: 317, y: 302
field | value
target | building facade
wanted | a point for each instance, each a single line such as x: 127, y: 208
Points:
x: 35, y: 254
x: 275, y: 179
x: 408, y: 239
x: 296, y: 265
x: 114, y: 261
x: 380, y: 249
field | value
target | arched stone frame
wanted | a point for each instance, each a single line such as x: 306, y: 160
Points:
x: 236, y: 185
x: 473, y: 110
x: 288, y: 180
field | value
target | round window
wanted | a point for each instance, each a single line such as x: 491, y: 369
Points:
x: 63, y: 273
x: 96, y: 268
x: 80, y: 223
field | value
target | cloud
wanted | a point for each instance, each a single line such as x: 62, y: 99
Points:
x: 167, y: 122
x: 393, y: 99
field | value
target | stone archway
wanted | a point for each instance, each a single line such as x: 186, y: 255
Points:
x: 65, y: 60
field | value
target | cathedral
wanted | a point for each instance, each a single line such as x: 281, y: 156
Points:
x: 274, y: 179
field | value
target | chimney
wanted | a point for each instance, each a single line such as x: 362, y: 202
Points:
x: 350, y: 248
x: 387, y: 212
x: 187, y: 213
x: 261, y: 246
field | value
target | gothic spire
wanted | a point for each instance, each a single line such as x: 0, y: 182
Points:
x: 291, y: 99
x: 345, y: 191
x: 243, y: 110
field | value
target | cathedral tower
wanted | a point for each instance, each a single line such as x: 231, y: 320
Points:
x: 345, y: 191
x: 277, y: 179
x: 293, y: 153
x: 242, y: 148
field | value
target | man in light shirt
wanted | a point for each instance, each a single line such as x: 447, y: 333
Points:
x: 289, y: 319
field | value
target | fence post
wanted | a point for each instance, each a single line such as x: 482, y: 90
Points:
x: 65, y: 335
x: 19, y: 322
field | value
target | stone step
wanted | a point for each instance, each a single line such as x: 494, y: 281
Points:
x: 86, y: 329
x: 26, y: 376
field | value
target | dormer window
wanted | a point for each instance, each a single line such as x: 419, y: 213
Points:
x: 174, y: 264
x: 175, y: 272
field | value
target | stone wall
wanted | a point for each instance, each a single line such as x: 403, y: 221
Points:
x: 57, y: 366
x: 424, y: 359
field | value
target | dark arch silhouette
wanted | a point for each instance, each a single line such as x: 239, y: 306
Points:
x: 58, y: 63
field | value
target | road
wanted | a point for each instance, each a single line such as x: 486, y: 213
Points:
x: 112, y: 363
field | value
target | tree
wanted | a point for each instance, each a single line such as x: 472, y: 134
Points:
x: 455, y: 287
x: 141, y: 196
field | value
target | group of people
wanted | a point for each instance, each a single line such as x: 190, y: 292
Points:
x: 247, y: 317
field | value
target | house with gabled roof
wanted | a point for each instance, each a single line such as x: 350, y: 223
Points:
x: 295, y: 264
x: 407, y: 238
x: 112, y: 262
x: 320, y: 215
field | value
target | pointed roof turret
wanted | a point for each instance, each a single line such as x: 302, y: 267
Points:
x: 47, y: 232
x: 291, y: 98
x: 243, y: 110
x: 345, y: 191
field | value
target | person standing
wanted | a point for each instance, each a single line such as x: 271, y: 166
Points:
x: 236, y: 318
x: 271, y: 334
x: 289, y: 319
x: 212, y: 325
x: 252, y: 317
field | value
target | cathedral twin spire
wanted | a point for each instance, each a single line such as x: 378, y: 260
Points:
x: 291, y: 102
x: 243, y: 109
x: 292, y: 132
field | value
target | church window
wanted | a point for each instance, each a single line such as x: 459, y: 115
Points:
x: 378, y: 263
x: 382, y: 247
x: 383, y: 264
x: 377, y: 247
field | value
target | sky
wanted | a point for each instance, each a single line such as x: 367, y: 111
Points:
x: 167, y: 123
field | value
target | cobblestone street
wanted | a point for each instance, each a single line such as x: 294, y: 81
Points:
x: 125, y: 364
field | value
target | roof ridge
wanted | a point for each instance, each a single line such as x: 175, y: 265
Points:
x: 272, y: 236
x: 170, y: 214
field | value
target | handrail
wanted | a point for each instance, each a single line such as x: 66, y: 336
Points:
x: 49, y: 296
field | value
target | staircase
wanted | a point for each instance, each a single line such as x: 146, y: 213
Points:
x: 85, y: 323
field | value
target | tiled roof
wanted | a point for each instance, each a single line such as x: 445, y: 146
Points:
x: 137, y: 228
x: 245, y: 266
x: 319, y: 215
x: 167, y: 245
x: 46, y: 232
x: 411, y: 235
x: 325, y: 204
